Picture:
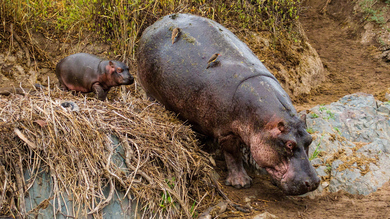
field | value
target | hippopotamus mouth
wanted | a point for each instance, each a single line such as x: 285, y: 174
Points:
x: 127, y: 81
x: 279, y: 171
x: 124, y: 79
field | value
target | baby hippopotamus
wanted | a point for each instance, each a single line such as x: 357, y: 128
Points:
x: 88, y: 73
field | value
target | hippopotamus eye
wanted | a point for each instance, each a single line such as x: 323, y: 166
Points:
x: 119, y: 70
x: 290, y: 145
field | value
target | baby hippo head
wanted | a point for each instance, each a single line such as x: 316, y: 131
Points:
x: 119, y: 73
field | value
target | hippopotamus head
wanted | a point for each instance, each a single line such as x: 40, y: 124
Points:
x: 282, y: 149
x: 119, y: 73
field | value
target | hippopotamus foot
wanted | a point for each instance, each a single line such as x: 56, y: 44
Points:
x: 237, y: 176
x: 100, y: 92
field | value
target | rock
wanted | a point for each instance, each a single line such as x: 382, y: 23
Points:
x: 386, y: 55
x: 322, y: 171
x: 353, y: 138
x: 265, y: 215
x: 249, y: 198
x: 212, y: 212
x: 387, y: 95
x: 42, y: 191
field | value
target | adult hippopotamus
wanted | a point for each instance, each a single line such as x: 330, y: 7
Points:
x: 87, y: 73
x: 230, y: 96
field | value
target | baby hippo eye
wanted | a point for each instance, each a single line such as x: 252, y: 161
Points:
x: 119, y: 70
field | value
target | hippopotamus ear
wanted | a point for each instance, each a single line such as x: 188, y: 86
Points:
x: 110, y: 67
x: 303, y: 118
x: 281, y: 126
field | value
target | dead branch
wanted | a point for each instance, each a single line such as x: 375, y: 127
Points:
x: 20, y: 185
x: 103, y: 204
x: 21, y: 43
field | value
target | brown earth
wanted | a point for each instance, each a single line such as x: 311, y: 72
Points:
x: 351, y: 67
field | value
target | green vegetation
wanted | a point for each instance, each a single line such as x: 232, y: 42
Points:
x: 337, y: 130
x: 310, y: 130
x: 122, y: 21
x: 330, y: 114
x: 166, y: 198
x: 316, y: 151
x: 373, y: 12
x: 192, y: 210
x: 313, y: 115
x: 328, y: 168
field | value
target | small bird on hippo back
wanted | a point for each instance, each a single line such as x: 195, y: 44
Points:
x: 88, y: 73
x: 175, y: 33
x: 212, y: 60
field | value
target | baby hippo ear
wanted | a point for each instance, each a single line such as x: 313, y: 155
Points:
x: 110, y: 67
x: 111, y: 64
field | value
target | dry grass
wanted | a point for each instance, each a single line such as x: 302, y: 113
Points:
x: 161, y: 155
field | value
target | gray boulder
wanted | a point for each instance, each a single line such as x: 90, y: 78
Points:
x: 351, y: 146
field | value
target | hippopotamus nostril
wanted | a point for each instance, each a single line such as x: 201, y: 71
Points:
x: 307, y: 184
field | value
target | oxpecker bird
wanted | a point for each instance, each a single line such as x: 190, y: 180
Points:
x: 175, y: 33
x: 212, y: 59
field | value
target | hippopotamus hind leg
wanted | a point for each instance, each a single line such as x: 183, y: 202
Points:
x: 63, y: 87
x: 237, y: 175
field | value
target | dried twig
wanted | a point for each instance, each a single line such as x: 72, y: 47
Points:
x: 77, y: 150
x: 20, y: 185
x: 21, y: 43
x: 103, y: 204
x: 23, y: 137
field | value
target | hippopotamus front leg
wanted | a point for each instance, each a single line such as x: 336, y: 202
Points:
x: 99, y: 91
x: 237, y: 175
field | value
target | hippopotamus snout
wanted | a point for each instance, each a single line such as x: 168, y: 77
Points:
x: 127, y: 79
x: 300, y: 177
x: 122, y: 75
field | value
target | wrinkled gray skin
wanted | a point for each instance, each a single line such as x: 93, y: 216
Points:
x: 88, y: 73
x: 236, y: 101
